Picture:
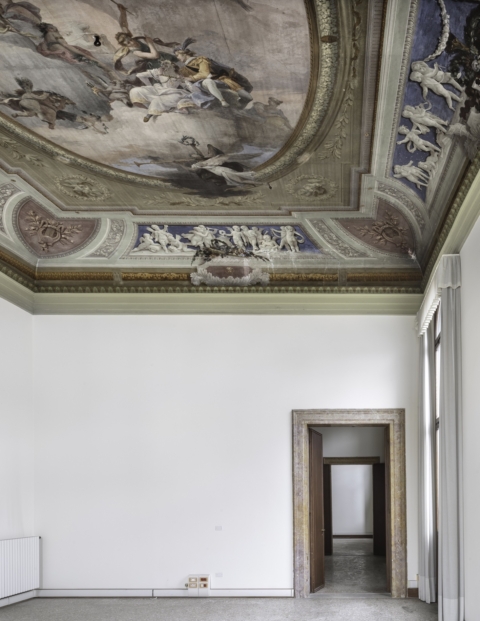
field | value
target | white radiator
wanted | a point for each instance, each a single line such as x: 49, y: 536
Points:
x: 19, y: 565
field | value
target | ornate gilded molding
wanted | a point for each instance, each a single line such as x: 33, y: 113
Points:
x: 98, y: 276
x: 155, y: 276
x: 384, y: 276
x: 305, y: 277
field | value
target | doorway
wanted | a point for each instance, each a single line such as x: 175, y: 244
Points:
x: 354, y: 512
x: 311, y: 522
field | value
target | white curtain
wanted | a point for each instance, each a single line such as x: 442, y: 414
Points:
x: 427, y: 579
x: 451, y: 606
x: 444, y: 287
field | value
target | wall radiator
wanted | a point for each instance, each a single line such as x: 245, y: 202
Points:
x: 19, y: 565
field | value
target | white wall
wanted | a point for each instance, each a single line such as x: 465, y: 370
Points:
x: 353, y: 441
x: 151, y: 431
x: 470, y: 292
x: 352, y: 500
x: 16, y: 423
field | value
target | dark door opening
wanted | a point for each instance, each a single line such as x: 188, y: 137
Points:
x: 348, y: 562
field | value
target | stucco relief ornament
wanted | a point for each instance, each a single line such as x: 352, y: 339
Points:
x: 228, y: 272
x: 312, y: 188
x: 79, y: 186
x: 50, y: 232
x: 387, y: 231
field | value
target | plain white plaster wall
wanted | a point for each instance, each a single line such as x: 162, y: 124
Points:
x: 353, y: 441
x: 151, y: 431
x: 352, y: 500
x: 470, y: 256
x: 16, y: 423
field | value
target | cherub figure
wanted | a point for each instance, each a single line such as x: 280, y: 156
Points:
x: 250, y: 236
x: 167, y: 241
x: 433, y: 79
x: 268, y: 244
x: 424, y: 120
x: 288, y: 238
x: 27, y: 102
x: 201, y: 236
x: 411, y: 173
x: 238, y: 237
x: 414, y: 142
x: 146, y: 242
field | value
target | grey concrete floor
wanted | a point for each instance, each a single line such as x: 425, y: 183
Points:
x: 219, y: 609
x: 353, y: 569
x: 354, y: 591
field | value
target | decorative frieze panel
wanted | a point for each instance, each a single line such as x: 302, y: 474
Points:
x: 259, y: 240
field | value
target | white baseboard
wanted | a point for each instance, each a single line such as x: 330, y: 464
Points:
x: 14, y: 599
x: 161, y: 593
x: 95, y: 592
x: 227, y: 593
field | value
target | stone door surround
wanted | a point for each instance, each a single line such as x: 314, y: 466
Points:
x: 394, y: 421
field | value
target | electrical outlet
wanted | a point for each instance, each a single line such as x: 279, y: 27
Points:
x: 218, y: 528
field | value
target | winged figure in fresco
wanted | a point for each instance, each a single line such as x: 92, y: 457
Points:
x: 45, y: 105
x: 144, y: 48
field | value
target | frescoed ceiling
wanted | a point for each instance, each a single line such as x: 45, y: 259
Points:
x: 317, y: 144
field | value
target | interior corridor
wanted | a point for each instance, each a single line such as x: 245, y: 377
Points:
x: 352, y: 568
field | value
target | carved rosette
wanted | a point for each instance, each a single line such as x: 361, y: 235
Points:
x: 82, y: 188
x: 312, y: 188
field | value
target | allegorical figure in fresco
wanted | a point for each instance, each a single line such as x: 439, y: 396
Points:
x: 55, y: 46
x: 142, y: 47
x: 210, y: 75
x: 168, y: 93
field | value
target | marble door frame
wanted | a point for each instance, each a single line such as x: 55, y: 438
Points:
x: 394, y: 421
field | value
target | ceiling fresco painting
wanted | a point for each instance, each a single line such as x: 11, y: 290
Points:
x: 198, y: 97
x: 276, y: 145
x: 441, y: 107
